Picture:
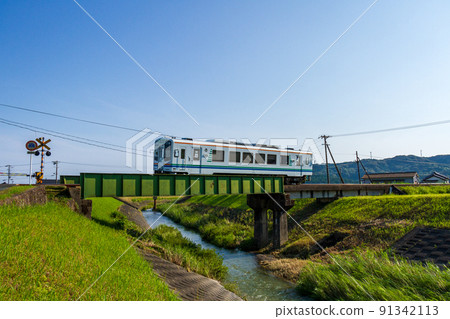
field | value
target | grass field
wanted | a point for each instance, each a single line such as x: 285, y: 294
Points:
x: 51, y: 253
x: 13, y: 190
x: 374, y: 275
x: 167, y: 242
x: 372, y: 222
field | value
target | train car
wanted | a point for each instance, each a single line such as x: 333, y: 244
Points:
x: 188, y: 156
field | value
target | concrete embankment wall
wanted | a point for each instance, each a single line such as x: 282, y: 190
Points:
x: 33, y: 196
x: 38, y: 196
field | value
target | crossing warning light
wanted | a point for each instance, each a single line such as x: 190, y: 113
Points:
x: 39, y: 177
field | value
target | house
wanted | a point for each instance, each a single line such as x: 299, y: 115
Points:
x: 436, y: 178
x: 392, y: 178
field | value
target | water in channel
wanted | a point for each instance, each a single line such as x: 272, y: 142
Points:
x: 243, y: 270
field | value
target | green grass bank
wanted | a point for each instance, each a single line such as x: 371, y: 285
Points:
x: 223, y: 220
x: 374, y: 275
x: 420, y: 190
x: 51, y: 253
x: 357, y: 231
x: 166, y: 242
x: 367, y: 222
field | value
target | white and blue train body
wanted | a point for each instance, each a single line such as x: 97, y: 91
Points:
x: 187, y: 156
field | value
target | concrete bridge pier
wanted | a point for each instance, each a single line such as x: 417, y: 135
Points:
x: 280, y: 228
x: 278, y: 203
x: 261, y: 233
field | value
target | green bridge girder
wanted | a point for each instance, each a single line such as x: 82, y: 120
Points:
x: 108, y: 185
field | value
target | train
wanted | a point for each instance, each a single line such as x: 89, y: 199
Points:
x: 215, y: 157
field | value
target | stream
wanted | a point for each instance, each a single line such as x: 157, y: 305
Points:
x: 252, y: 281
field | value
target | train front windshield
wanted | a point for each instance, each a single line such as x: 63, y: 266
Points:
x: 167, y: 151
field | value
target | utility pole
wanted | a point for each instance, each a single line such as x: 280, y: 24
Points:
x: 31, y: 163
x: 362, y: 165
x: 335, y: 165
x: 56, y: 173
x: 9, y: 173
x: 324, y: 137
x: 357, y: 164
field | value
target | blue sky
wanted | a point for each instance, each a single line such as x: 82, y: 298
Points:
x: 226, y: 62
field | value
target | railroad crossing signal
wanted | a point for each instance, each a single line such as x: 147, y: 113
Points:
x: 33, y: 148
x: 43, y: 143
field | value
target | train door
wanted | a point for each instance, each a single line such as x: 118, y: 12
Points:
x: 182, y: 159
x: 197, y: 159
x: 299, y: 163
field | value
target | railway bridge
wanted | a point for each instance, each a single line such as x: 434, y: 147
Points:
x: 263, y: 193
x: 280, y: 203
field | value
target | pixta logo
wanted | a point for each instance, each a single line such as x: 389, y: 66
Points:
x: 139, y: 150
x: 310, y: 145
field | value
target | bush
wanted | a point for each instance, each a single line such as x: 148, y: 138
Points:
x: 188, y: 254
x: 377, y: 275
x: 223, y: 227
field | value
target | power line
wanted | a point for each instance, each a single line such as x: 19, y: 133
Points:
x: 378, y: 158
x: 17, y: 165
x: 65, y: 134
x: 27, y: 109
x: 87, y: 164
x: 408, y: 161
x: 61, y: 135
x: 69, y: 117
x: 71, y: 163
x: 393, y: 129
x: 399, y: 160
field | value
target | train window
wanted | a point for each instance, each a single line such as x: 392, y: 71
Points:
x: 271, y: 159
x: 260, y: 158
x: 247, y: 158
x: 235, y: 157
x: 307, y: 160
x: 284, y: 160
x: 196, y: 154
x: 183, y: 153
x: 167, y: 151
x: 298, y: 161
x: 176, y: 153
x: 218, y: 156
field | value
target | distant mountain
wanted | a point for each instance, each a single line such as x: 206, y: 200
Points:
x: 402, y: 163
